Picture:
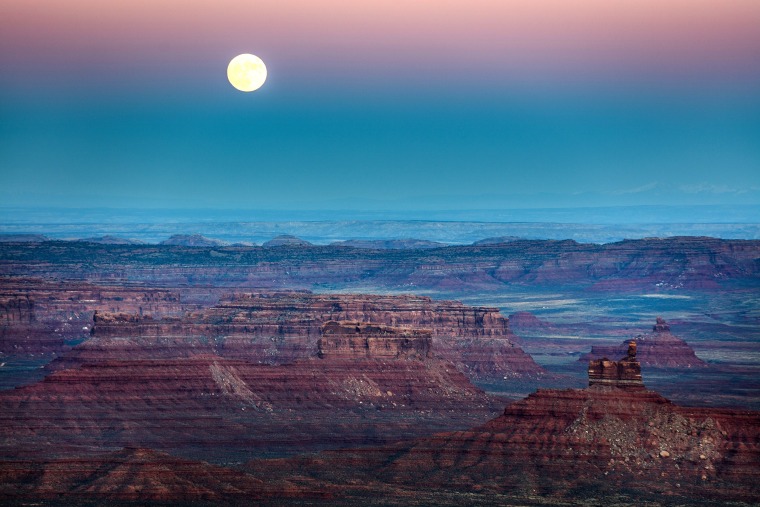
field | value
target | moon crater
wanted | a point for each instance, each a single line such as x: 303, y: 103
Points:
x: 247, y: 72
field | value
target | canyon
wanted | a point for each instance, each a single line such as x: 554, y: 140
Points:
x: 295, y: 373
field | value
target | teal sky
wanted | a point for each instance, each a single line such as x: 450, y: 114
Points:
x: 128, y: 128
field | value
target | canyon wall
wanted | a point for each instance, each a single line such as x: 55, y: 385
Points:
x: 40, y: 316
x: 282, y: 327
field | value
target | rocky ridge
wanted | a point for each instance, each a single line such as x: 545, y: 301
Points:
x: 192, y: 240
x: 282, y: 327
x: 215, y: 408
x: 605, y: 443
x: 286, y: 240
x: 611, y: 440
x: 662, y: 265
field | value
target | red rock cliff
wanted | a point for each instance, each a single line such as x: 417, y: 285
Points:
x: 625, y: 373
x: 356, y: 340
x: 282, y: 327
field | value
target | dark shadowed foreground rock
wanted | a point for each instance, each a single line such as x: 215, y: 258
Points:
x: 606, y: 444
x: 226, y: 409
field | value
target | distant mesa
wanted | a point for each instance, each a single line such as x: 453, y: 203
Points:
x: 497, y: 240
x: 390, y: 244
x: 192, y: 240
x: 23, y: 238
x: 286, y: 240
x: 659, y: 349
x: 112, y: 240
x: 526, y: 321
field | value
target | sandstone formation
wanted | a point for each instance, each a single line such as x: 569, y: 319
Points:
x: 357, y: 340
x: 605, y: 443
x: 597, y: 440
x: 282, y: 327
x: 217, y: 408
x: 42, y: 317
x: 57, y: 301
x: 659, y: 349
x: 526, y: 321
x: 625, y: 373
x: 578, y: 445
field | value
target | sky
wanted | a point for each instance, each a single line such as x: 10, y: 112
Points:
x: 380, y: 105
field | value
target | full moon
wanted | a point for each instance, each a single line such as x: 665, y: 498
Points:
x: 247, y: 72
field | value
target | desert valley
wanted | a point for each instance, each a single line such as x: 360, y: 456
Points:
x: 490, y: 374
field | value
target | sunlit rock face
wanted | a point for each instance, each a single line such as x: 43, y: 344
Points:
x: 562, y: 442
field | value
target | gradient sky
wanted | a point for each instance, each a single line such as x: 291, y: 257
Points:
x: 379, y: 104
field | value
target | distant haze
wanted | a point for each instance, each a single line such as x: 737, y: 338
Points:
x: 595, y: 225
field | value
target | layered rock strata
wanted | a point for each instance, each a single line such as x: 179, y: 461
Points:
x: 37, y: 316
x: 625, y: 373
x: 594, y: 445
x: 217, y: 408
x: 580, y: 445
x: 282, y: 327
x: 659, y: 348
x: 357, y: 340
x: 601, y: 438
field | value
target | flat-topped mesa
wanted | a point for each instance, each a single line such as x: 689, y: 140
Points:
x: 41, y: 317
x: 659, y: 349
x: 444, y: 318
x: 625, y: 373
x: 282, y: 327
x: 357, y: 340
